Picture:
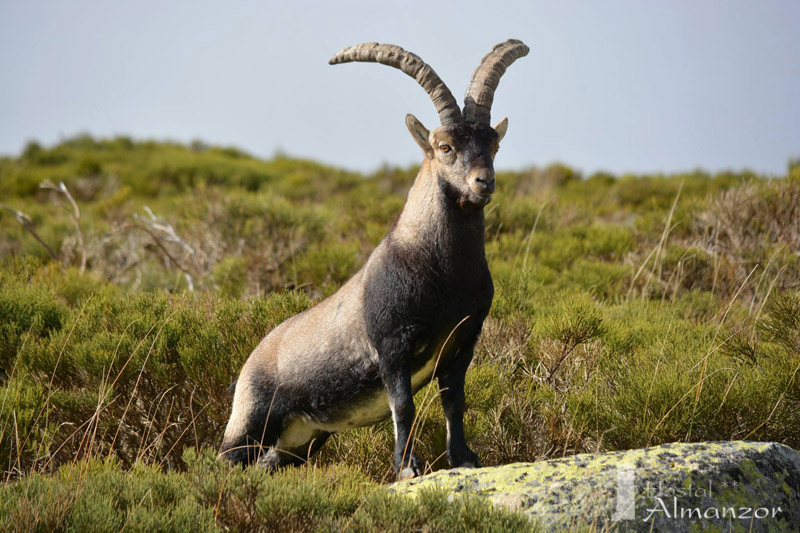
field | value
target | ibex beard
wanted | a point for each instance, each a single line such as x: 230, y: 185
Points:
x: 414, y: 311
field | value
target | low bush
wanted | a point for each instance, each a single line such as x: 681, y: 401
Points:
x: 628, y: 312
x: 99, y: 495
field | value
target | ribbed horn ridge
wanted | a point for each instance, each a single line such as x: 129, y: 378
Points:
x: 480, y: 94
x: 411, y: 64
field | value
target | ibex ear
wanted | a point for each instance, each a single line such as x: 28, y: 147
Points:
x: 420, y: 134
x: 501, y: 128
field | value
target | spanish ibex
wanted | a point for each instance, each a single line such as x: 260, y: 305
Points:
x: 413, y: 312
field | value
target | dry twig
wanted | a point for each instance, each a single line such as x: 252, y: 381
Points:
x: 76, y: 214
x: 26, y: 222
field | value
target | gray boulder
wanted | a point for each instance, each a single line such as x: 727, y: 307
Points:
x: 724, y: 486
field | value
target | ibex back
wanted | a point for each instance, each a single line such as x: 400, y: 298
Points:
x: 411, y: 314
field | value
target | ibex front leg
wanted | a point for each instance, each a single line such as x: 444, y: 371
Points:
x: 451, y: 388
x: 397, y: 380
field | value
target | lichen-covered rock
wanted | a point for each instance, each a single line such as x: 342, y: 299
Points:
x: 725, y: 486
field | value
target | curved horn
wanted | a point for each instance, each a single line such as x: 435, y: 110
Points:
x: 480, y: 94
x: 411, y: 64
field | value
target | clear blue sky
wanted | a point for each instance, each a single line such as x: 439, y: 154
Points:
x: 621, y: 86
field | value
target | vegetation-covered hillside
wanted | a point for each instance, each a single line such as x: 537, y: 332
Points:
x: 629, y: 311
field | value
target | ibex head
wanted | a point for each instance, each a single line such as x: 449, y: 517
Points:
x: 461, y: 151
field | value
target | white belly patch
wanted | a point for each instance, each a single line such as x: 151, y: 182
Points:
x: 422, y: 376
x: 303, y: 428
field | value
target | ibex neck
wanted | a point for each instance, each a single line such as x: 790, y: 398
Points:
x: 436, y: 223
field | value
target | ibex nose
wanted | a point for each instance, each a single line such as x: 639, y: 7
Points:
x: 483, y: 183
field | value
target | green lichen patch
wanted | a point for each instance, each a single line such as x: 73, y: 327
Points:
x: 673, y: 487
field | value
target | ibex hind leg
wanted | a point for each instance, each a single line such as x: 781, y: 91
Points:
x: 252, y: 446
x: 254, y: 427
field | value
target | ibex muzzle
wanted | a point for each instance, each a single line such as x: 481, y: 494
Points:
x: 411, y: 314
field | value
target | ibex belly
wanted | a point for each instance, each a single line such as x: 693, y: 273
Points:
x: 370, y: 408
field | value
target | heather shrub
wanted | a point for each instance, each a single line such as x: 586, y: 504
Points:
x: 628, y: 311
x: 138, y: 376
x: 99, y: 495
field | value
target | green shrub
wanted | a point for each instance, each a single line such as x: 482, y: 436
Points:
x: 628, y: 311
x: 98, y: 495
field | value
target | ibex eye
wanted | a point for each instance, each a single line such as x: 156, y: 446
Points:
x: 445, y: 148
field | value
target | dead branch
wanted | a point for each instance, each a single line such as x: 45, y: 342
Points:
x: 166, y: 229
x: 160, y: 232
x: 26, y: 222
x: 76, y: 215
